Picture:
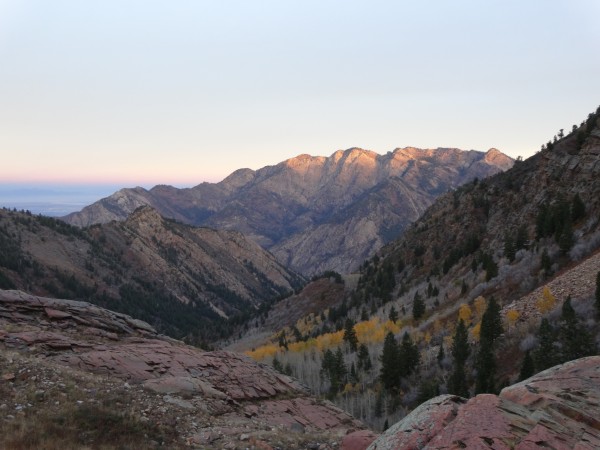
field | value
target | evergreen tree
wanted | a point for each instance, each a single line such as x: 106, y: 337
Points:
x: 485, y: 362
x: 350, y: 334
x: 460, y: 343
x: 509, y: 247
x: 364, y: 360
x: 353, y: 378
x: 378, y: 407
x: 527, y: 368
x: 364, y: 316
x: 486, y: 368
x: 546, y: 263
x: 390, y: 370
x: 577, y: 209
x: 418, y: 308
x: 546, y: 354
x: 277, y: 364
x: 282, y: 340
x: 457, y: 384
x: 441, y: 354
x: 491, y: 322
x: 393, y: 316
x: 567, y: 239
x: 522, y: 238
x: 334, y: 367
x: 576, y: 341
x: 408, y: 356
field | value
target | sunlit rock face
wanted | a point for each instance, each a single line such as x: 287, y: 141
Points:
x: 314, y: 213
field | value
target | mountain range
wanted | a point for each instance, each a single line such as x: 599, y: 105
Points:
x: 184, y: 280
x: 313, y: 213
x: 498, y: 279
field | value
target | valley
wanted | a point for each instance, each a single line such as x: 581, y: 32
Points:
x: 441, y: 282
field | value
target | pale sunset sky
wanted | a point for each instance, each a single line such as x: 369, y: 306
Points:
x: 178, y: 92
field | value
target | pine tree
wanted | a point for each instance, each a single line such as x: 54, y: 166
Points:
x: 546, y: 354
x: 485, y: 362
x: 277, y: 364
x: 576, y: 341
x: 460, y: 343
x: 567, y: 238
x: 390, y: 371
x: 509, y: 247
x: 418, y: 308
x: 408, y: 356
x: 522, y: 238
x: 334, y: 367
x: 546, y: 263
x: 282, y: 340
x: 364, y: 316
x: 457, y: 384
x: 364, y: 360
x: 491, y: 322
x: 527, y: 368
x: 353, y: 378
x: 441, y: 354
x: 378, y: 407
x: 393, y: 316
x: 577, y: 209
x: 350, y: 334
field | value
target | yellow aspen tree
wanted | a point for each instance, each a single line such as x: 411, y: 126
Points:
x: 465, y: 313
x: 512, y: 315
x: 480, y: 305
x: 547, y: 302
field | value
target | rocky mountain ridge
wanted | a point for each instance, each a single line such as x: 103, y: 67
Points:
x: 314, y: 213
x: 178, y: 277
x: 535, y: 196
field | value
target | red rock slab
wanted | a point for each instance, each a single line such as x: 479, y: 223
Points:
x: 480, y: 423
x: 358, y: 440
x: 306, y: 412
x: 421, y: 425
x: 558, y: 408
x: 38, y: 337
x: 56, y: 314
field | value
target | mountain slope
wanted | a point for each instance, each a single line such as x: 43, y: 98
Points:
x: 180, y: 278
x: 314, y: 213
x: 527, y: 238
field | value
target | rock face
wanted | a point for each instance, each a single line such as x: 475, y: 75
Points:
x: 314, y: 213
x: 558, y: 408
x: 228, y: 386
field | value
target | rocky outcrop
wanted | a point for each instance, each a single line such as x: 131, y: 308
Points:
x: 314, y: 213
x: 558, y: 408
x: 241, y: 393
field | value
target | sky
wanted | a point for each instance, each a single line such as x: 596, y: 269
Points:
x: 126, y: 93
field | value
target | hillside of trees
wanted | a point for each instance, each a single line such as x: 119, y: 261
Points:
x: 452, y: 306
